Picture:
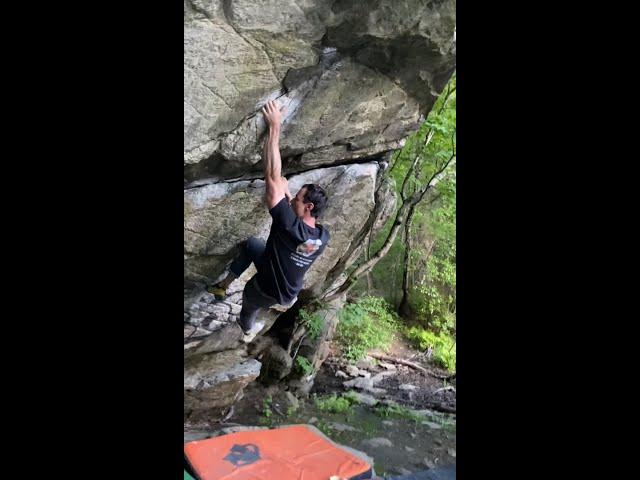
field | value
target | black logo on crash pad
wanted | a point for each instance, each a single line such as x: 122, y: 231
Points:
x: 241, y: 455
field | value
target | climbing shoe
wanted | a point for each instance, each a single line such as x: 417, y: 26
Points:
x: 218, y: 292
x: 246, y: 332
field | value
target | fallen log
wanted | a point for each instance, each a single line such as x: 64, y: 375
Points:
x: 413, y: 365
x: 400, y: 361
x: 444, y: 389
x: 441, y: 407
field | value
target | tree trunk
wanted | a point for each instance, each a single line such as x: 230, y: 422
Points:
x: 404, y: 309
x: 402, y: 214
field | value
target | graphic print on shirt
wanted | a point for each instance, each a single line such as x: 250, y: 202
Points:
x: 304, y: 251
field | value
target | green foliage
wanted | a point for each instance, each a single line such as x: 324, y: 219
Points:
x: 325, y: 428
x: 267, y: 413
x: 365, y: 324
x: 432, y: 263
x: 443, y: 346
x: 433, y: 295
x: 351, y: 396
x: 312, y: 321
x: 433, y: 305
x: 397, y: 411
x: 266, y: 406
x: 303, y: 366
x: 333, y: 404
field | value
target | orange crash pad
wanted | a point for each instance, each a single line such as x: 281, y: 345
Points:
x: 288, y: 453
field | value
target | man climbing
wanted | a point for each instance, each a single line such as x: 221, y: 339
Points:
x: 295, y: 239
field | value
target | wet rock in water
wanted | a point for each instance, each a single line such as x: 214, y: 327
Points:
x: 362, y: 398
x: 409, y: 449
x: 359, y: 382
x: 341, y: 374
x: 387, y: 366
x: 432, y: 425
x: 377, y: 391
x: 341, y: 427
x: 193, y: 435
x: 378, y: 377
x: 291, y: 401
x: 365, y: 384
x: 425, y: 412
x: 429, y: 463
x: 407, y: 387
x: 377, y: 442
x: 365, y: 363
x: 403, y: 471
x: 452, y: 452
x: 352, y: 370
x: 239, y: 428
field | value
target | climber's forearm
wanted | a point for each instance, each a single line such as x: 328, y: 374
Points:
x: 275, y: 184
x: 271, y: 154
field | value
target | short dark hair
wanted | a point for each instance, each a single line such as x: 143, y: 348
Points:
x: 315, y: 194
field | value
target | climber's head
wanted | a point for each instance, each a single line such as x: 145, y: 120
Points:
x: 310, y: 200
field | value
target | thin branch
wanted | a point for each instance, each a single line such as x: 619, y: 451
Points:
x: 446, y: 99
x: 406, y: 363
x: 427, y: 141
x: 401, y: 217
x: 298, y: 348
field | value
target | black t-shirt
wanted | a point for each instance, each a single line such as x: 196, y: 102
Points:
x: 291, y: 248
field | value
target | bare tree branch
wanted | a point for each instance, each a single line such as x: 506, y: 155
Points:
x: 401, y: 217
x: 446, y: 98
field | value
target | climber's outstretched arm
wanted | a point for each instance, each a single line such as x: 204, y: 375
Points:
x: 276, y: 186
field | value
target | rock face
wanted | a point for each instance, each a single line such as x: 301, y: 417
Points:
x: 213, y: 383
x: 355, y: 84
x: 218, y: 217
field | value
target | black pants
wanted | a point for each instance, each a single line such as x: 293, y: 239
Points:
x: 253, y: 298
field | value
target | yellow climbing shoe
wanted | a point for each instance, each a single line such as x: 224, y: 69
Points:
x: 218, y: 292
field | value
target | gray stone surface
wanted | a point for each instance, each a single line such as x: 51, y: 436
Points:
x: 212, y: 383
x: 363, y: 398
x: 377, y: 442
x: 353, y: 82
x: 355, y: 86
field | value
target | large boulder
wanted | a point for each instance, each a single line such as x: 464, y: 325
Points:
x: 353, y: 81
x: 355, y: 84
x: 212, y: 383
x: 218, y: 217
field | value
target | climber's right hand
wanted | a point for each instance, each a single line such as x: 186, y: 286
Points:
x: 272, y: 114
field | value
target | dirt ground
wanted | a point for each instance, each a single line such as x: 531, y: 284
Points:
x: 397, y: 444
x: 432, y: 392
